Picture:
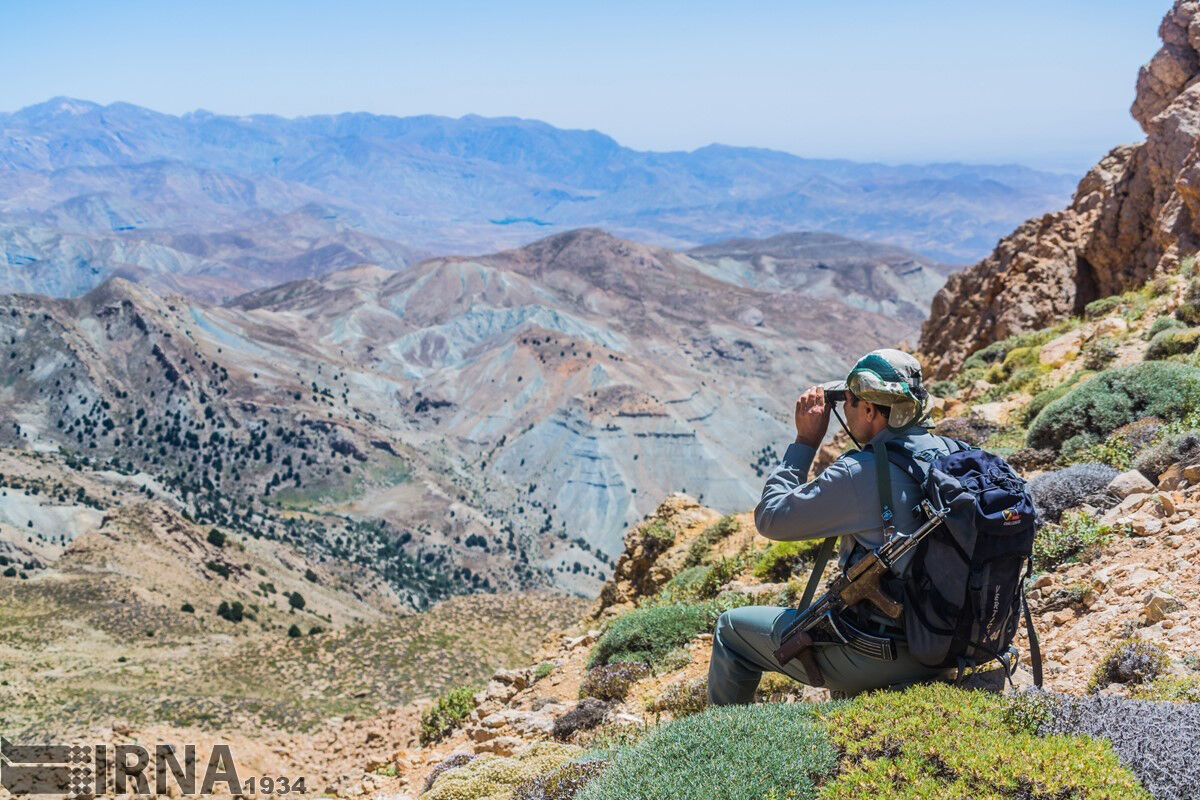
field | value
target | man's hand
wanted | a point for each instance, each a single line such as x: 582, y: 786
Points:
x: 812, y: 417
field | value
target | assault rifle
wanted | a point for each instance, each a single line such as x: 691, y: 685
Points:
x: 859, y: 583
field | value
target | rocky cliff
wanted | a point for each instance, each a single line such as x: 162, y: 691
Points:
x: 1132, y: 216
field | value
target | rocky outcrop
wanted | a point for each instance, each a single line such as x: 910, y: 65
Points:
x: 654, y: 552
x: 1134, y: 214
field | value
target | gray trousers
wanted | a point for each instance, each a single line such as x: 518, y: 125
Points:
x: 745, y: 638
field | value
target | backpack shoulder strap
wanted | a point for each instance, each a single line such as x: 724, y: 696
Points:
x: 956, y: 445
x: 899, y: 455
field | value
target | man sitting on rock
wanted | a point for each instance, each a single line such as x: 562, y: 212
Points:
x: 843, y: 500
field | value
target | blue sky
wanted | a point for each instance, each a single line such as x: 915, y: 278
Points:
x: 1042, y: 83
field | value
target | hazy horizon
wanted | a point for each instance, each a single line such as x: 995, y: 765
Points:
x: 887, y: 162
x: 1042, y: 85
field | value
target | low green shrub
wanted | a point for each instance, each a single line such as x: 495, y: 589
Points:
x: 733, y: 753
x: 701, y: 582
x: 939, y: 741
x: 684, y: 586
x: 1159, y: 286
x: 1098, y: 353
x: 1015, y: 360
x: 649, y: 633
x: 684, y: 698
x: 446, y: 714
x: 587, y: 714
x: 1131, y: 661
x: 1114, y: 398
x: 1043, y: 399
x: 699, y: 548
x: 968, y: 376
x: 543, y: 669
x: 780, y: 559
x: 1115, y: 451
x: 1141, y: 433
x: 1005, y: 441
x: 986, y: 356
x: 775, y: 687
x: 656, y: 536
x: 1098, y: 308
x: 563, y: 783
x: 997, y: 352
x: 1189, y: 311
x: 450, y: 762
x: 719, y: 574
x: 674, y: 659
x: 1077, y: 537
x: 1028, y: 710
x: 1169, y: 689
x: 1174, y: 448
x: 1163, y: 324
x: 492, y: 777
x: 612, y: 681
x: 1173, y: 342
x: 233, y: 612
x: 942, y: 388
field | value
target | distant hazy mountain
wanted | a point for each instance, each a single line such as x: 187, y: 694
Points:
x: 467, y: 422
x: 145, y: 191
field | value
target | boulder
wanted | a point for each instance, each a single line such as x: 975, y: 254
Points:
x: 1137, y: 580
x: 1156, y: 605
x: 1059, y: 351
x: 1130, y: 483
x: 1143, y: 526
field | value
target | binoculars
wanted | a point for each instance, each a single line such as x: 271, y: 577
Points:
x: 834, y: 396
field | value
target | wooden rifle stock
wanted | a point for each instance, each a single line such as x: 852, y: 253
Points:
x: 863, y: 584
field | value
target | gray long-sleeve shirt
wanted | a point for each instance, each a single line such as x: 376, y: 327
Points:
x: 843, y: 500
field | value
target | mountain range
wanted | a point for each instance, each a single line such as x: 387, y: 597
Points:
x: 497, y: 421
x: 213, y: 205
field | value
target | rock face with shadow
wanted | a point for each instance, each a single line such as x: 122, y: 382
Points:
x: 1136, y: 213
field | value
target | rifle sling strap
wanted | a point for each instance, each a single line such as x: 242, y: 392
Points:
x: 883, y: 478
x: 814, y: 579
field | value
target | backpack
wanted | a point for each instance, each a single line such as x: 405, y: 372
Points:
x: 963, y: 592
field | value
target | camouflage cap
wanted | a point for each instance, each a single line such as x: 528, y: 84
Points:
x: 890, y: 378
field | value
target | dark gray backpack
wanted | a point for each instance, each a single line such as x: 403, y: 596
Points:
x: 964, y: 591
